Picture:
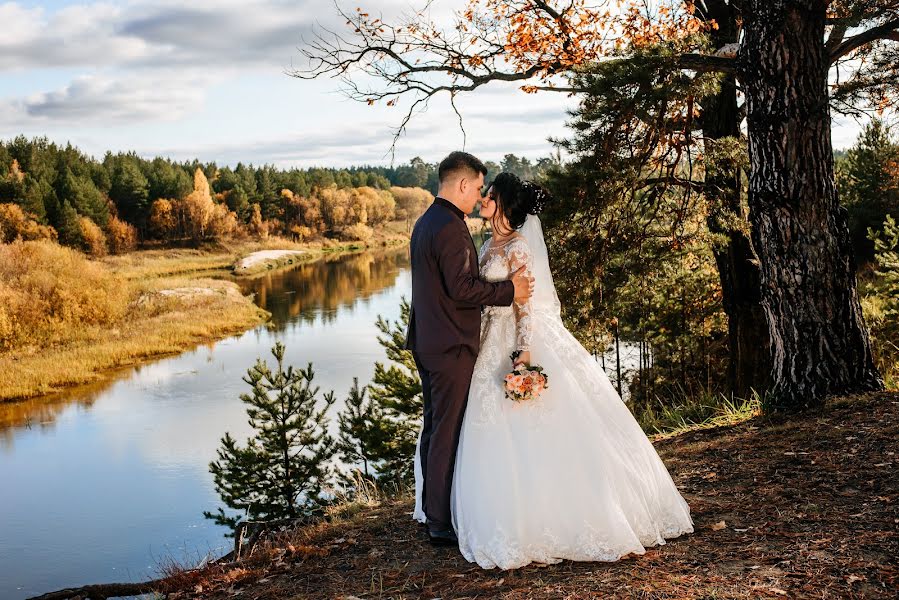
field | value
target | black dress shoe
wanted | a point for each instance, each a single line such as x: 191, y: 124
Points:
x: 442, y: 537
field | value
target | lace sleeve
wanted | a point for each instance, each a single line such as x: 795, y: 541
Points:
x: 519, y: 254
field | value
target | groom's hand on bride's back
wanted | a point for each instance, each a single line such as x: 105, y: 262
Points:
x: 524, y: 285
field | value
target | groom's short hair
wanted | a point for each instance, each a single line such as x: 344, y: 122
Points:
x: 459, y: 161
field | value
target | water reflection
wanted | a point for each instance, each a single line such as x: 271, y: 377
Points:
x: 41, y: 412
x: 317, y: 289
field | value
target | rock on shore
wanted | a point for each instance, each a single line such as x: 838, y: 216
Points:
x: 265, y: 259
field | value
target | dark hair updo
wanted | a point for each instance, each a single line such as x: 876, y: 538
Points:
x: 517, y: 199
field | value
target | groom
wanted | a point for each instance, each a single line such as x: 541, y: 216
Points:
x: 444, y: 326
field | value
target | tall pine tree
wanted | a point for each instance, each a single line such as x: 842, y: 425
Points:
x: 130, y: 192
x: 83, y: 195
x: 67, y: 226
x: 882, y: 299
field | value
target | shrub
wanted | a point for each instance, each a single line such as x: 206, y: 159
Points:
x: 371, y: 206
x: 223, y: 223
x: 355, y: 232
x: 92, y: 237
x: 302, y: 233
x: 47, y: 290
x: 411, y: 202
x: 17, y: 224
x: 120, y: 236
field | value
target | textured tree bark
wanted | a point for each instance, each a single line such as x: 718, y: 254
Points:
x: 819, y: 342
x: 737, y: 263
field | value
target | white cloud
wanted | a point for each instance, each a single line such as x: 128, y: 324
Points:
x: 125, y: 100
x: 82, y: 35
x: 145, y: 61
x: 212, y: 35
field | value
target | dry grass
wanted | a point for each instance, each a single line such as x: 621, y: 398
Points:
x: 155, y: 325
x: 47, y: 290
x: 73, y: 318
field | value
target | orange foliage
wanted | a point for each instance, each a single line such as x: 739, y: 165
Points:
x: 17, y: 224
x: 357, y: 232
x: 120, y: 236
x: 201, y: 217
x: 223, y: 223
x: 892, y: 173
x: 410, y: 202
x: 92, y: 237
x: 198, y: 207
x: 303, y: 215
x: 47, y: 289
x: 15, y: 172
x: 257, y: 226
x: 163, y: 222
x: 544, y: 38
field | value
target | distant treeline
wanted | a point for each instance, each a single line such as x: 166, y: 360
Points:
x: 58, y: 192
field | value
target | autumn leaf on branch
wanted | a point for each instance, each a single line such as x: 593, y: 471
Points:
x: 537, y: 43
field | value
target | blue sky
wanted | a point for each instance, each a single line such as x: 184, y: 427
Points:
x: 206, y: 79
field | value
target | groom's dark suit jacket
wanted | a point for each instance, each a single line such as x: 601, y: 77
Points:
x: 447, y: 291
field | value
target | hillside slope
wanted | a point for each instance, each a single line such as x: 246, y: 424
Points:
x: 801, y: 508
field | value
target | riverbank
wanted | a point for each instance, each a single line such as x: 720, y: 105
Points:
x: 800, y: 506
x: 175, y: 299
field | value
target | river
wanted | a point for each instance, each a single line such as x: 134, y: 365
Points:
x: 108, y: 482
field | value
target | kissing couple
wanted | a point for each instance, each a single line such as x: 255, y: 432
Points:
x: 567, y: 475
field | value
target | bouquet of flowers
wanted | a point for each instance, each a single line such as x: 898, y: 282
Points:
x: 525, y: 383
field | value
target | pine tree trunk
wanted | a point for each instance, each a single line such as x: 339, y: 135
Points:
x: 819, y: 342
x: 738, y: 266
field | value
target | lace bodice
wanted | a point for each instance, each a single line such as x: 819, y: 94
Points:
x: 497, y: 262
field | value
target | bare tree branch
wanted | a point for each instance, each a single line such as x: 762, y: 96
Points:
x: 416, y: 59
x: 888, y: 30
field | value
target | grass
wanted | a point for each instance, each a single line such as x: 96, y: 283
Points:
x: 691, y: 413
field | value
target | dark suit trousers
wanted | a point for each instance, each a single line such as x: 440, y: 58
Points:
x: 445, y: 379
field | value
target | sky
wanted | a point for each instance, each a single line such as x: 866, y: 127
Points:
x: 207, y: 79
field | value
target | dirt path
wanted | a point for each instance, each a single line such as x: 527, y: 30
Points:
x: 783, y: 509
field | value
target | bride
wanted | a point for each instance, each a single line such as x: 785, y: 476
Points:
x: 570, y: 475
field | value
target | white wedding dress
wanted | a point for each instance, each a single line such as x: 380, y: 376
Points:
x: 569, y: 476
